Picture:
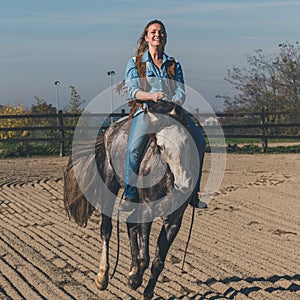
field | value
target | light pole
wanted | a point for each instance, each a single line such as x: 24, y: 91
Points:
x: 111, y: 74
x: 57, y: 83
x: 59, y: 122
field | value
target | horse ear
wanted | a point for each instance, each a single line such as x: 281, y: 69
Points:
x: 174, y: 111
x: 152, y: 116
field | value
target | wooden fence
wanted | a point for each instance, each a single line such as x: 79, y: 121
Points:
x: 256, y: 125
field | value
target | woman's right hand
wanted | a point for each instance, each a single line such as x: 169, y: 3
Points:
x: 145, y: 96
x: 157, y: 96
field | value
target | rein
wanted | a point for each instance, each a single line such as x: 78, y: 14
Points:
x: 118, y: 239
x: 135, y: 105
x: 188, y: 240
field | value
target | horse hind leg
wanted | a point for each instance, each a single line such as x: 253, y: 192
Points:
x: 102, y: 277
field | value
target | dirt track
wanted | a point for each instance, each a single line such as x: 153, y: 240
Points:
x: 246, y: 245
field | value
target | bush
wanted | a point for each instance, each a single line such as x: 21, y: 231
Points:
x: 250, y: 149
x: 29, y: 149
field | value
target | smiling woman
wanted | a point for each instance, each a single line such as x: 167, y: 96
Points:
x: 152, y: 76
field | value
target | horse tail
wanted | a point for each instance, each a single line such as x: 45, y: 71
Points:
x: 75, y: 203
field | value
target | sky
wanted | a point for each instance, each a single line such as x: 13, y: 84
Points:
x: 78, y: 41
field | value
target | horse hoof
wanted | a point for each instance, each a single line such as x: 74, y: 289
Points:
x: 101, y: 284
x: 148, y: 296
x: 134, y: 282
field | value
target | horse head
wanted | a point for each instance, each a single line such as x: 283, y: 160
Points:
x: 177, y: 147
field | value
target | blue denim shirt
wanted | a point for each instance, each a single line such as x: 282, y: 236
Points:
x: 156, y: 78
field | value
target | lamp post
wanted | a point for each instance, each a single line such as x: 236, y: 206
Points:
x: 111, y: 74
x: 59, y: 122
x: 57, y: 83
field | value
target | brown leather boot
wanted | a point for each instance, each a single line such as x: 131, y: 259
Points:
x: 196, y: 202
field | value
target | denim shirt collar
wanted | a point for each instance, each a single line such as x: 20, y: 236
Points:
x: 147, y: 57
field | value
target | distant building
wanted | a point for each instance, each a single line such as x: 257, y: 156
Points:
x: 211, y: 121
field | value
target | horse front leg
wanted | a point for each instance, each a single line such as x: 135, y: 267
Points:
x: 134, y: 279
x: 144, y: 257
x: 167, y: 235
x: 102, y: 277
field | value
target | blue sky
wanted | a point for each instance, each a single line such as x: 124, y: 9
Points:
x: 78, y: 41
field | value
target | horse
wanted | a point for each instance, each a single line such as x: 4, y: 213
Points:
x: 166, y: 184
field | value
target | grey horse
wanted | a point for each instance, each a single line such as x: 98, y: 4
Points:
x: 166, y: 182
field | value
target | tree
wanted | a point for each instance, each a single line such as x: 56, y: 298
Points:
x: 42, y: 107
x: 73, y: 107
x: 75, y: 103
x: 269, y: 82
x: 11, y: 122
x: 288, y: 66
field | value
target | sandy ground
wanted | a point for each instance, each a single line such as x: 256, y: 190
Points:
x: 246, y: 245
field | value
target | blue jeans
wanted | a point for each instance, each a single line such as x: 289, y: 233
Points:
x: 201, y: 146
x: 137, y: 143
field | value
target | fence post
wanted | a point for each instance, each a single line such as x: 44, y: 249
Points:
x: 264, y: 121
x: 61, y: 133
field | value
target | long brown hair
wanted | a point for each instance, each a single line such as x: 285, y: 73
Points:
x: 142, y: 44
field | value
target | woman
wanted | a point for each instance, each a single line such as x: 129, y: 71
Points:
x: 163, y: 81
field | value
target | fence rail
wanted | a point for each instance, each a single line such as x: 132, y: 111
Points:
x: 257, y: 125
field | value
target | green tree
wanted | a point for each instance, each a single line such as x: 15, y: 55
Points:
x: 42, y: 107
x: 39, y: 108
x: 10, y: 122
x: 74, y: 106
x: 268, y: 82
